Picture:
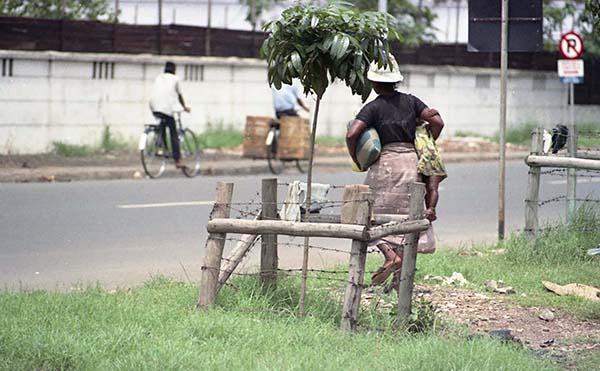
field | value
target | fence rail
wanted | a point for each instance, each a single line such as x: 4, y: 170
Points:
x: 561, y: 166
x: 356, y: 222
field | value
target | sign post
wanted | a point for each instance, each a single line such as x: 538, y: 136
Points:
x: 570, y: 71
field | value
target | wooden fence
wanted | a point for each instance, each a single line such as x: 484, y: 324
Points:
x: 538, y: 160
x: 356, y: 222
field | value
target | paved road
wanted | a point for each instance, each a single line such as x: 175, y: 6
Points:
x: 121, y: 232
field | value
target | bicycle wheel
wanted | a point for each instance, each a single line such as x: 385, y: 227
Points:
x: 152, y: 153
x: 190, y: 153
x: 275, y: 165
x: 302, y: 166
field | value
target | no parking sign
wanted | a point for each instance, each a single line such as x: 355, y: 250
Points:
x: 570, y: 45
x: 570, y: 69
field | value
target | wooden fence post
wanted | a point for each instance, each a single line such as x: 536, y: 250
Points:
x: 356, y: 209
x: 209, y: 278
x: 268, y: 253
x: 409, y: 261
x: 533, y: 187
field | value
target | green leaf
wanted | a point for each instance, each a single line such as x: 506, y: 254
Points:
x: 352, y: 77
x: 314, y: 21
x: 296, y: 62
x: 327, y: 43
x: 276, y: 81
x: 336, y: 44
x: 366, y: 91
x: 343, y: 47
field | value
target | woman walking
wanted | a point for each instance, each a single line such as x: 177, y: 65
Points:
x: 394, y: 115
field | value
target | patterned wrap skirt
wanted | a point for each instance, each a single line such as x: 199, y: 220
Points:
x: 389, y: 179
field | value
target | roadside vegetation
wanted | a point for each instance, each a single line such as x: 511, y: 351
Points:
x: 330, y: 140
x: 156, y: 326
x: 220, y: 137
x: 108, y: 143
x: 589, y: 134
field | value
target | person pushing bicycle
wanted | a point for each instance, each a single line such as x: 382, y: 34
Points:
x: 165, y: 98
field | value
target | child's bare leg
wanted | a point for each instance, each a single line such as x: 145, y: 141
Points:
x: 432, y: 196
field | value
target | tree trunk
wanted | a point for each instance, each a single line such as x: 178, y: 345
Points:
x: 307, y: 209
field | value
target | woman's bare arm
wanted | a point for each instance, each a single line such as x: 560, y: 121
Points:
x: 436, y: 124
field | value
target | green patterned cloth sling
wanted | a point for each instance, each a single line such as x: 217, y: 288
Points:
x: 430, y: 161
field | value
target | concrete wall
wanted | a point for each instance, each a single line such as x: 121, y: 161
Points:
x: 52, y: 96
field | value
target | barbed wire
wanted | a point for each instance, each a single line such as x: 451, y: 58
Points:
x: 587, y: 200
x: 553, y: 171
x: 332, y: 249
x: 580, y: 173
x: 333, y: 186
x: 564, y: 198
x: 551, y: 200
x: 312, y: 274
x: 576, y: 227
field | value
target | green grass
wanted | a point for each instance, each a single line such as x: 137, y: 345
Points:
x: 519, y: 134
x: 71, y: 150
x: 589, y: 134
x: 108, y: 143
x: 558, y: 255
x: 219, y: 137
x: 463, y: 134
x: 328, y: 140
x: 156, y: 327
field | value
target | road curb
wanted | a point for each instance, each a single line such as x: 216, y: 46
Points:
x: 212, y: 168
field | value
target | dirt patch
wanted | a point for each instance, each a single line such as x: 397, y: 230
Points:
x: 565, y: 338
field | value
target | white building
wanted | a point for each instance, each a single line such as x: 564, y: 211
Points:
x: 71, y: 97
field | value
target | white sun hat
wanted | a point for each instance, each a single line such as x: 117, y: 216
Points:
x: 386, y: 74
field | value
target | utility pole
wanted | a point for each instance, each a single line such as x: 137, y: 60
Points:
x: 503, y: 78
x: 572, y: 150
x: 253, y: 14
x: 208, y: 24
x: 457, y: 21
x: 160, y: 13
x: 159, y: 31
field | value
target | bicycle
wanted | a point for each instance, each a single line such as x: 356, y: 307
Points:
x: 276, y: 165
x: 155, y: 151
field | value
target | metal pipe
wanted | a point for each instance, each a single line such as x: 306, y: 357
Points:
x: 503, y: 83
x: 572, y: 149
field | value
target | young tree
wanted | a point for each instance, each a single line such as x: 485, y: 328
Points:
x: 58, y: 9
x: 319, y: 45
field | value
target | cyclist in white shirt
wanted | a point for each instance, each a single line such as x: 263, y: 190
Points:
x: 286, y: 98
x: 165, y: 99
